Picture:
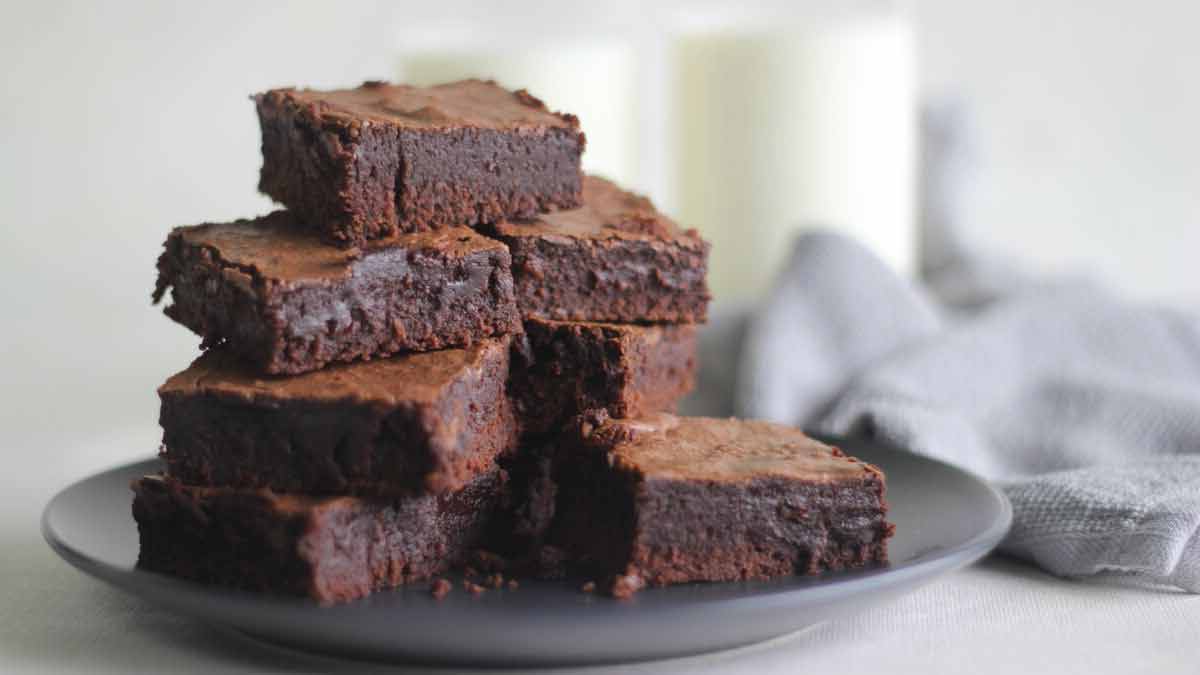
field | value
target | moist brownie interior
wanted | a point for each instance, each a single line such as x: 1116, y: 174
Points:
x: 409, y: 424
x: 332, y: 549
x: 564, y: 368
x: 664, y: 500
x: 614, y: 259
x: 363, y: 163
x: 289, y: 304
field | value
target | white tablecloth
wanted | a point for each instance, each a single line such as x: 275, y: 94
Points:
x: 997, y: 617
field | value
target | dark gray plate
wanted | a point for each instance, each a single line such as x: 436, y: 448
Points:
x: 945, y: 519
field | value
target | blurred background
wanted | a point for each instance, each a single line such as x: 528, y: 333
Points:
x: 748, y: 120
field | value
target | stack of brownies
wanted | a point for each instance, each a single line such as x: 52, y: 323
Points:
x: 453, y: 349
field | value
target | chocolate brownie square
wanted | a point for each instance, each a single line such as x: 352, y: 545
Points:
x: 365, y: 163
x: 564, y: 368
x: 330, y: 549
x: 426, y: 422
x: 666, y: 500
x: 286, y: 303
x: 614, y: 259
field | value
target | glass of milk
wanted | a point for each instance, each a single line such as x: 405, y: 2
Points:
x: 790, y: 122
x: 593, y: 76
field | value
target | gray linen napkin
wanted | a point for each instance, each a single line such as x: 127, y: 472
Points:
x: 1082, y: 406
x: 1085, y: 408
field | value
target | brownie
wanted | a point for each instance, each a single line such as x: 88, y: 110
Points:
x: 526, y: 510
x: 614, y: 259
x: 426, y: 422
x: 665, y: 500
x: 331, y: 549
x: 366, y: 163
x: 286, y: 303
x: 564, y: 368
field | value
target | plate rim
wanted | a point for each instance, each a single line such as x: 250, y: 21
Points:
x: 925, y: 568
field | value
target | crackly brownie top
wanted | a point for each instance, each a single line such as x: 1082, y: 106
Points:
x: 608, y: 212
x: 276, y: 247
x: 466, y: 103
x: 412, y: 378
x: 666, y: 447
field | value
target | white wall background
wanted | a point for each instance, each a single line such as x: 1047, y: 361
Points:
x: 1089, y: 121
x: 118, y: 121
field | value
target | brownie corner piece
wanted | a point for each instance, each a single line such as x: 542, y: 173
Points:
x: 368, y: 162
x: 662, y: 500
x: 330, y: 549
x: 562, y: 369
x: 289, y: 304
x: 415, y: 424
x: 615, y: 259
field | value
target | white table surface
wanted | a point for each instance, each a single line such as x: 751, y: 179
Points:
x: 997, y: 617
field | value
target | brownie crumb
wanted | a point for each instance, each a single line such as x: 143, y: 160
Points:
x: 589, y: 587
x: 473, y: 588
x: 626, y: 585
x: 440, y: 588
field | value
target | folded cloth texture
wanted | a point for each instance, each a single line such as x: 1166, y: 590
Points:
x: 1083, y: 406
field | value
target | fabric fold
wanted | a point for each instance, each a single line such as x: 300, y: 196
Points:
x: 1083, y: 406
